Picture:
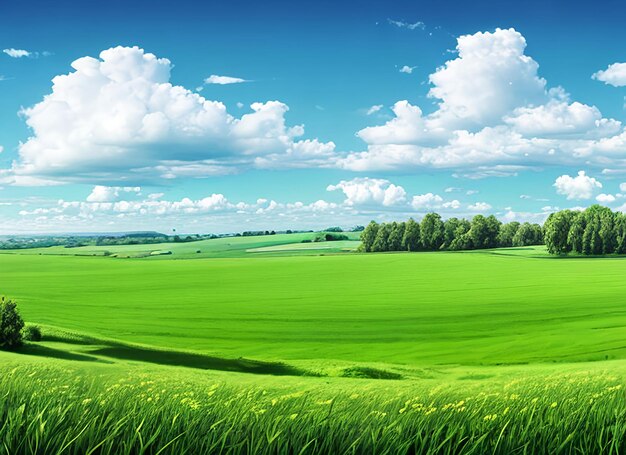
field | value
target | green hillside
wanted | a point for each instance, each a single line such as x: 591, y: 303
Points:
x: 271, y: 345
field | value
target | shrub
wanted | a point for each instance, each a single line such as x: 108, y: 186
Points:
x: 11, y: 325
x: 31, y: 333
x: 369, y: 373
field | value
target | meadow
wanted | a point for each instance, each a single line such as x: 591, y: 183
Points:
x: 271, y: 345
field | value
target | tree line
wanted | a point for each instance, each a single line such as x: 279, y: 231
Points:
x: 595, y: 231
x: 433, y: 233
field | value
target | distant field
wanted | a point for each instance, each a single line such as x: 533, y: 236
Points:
x: 214, y: 248
x: 500, y: 307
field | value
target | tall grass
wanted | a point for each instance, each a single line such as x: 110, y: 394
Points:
x: 47, y: 410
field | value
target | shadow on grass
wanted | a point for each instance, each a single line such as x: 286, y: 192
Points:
x: 121, y: 351
x: 191, y: 360
x: 45, y: 351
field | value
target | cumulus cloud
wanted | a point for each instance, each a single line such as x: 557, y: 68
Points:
x: 494, y: 112
x: 614, y: 75
x: 580, y: 187
x: 426, y: 201
x: 223, y: 80
x: 363, y: 191
x: 431, y: 201
x: 479, y: 207
x: 118, y: 118
x: 406, y: 69
x: 605, y: 198
x: 110, y: 193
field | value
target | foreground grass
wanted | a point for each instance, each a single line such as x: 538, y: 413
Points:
x: 65, y: 408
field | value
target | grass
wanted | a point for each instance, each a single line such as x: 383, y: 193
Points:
x: 63, y: 408
x: 421, y: 309
x: 275, y: 348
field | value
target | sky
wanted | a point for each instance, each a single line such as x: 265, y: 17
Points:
x: 204, y: 117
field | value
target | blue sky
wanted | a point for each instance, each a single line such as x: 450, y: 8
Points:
x: 348, y: 111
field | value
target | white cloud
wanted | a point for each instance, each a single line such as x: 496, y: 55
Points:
x: 118, y: 118
x: 452, y: 189
x: 490, y: 77
x: 431, y: 201
x: 362, y: 191
x: 16, y: 53
x: 374, y: 109
x: 407, y: 25
x: 622, y: 187
x: 454, y: 204
x: 614, y: 75
x: 223, y: 80
x: 580, y: 187
x: 495, y: 116
x: 110, y: 193
x: 560, y: 118
x: 479, y: 207
x: 605, y: 198
x: 406, y: 69
x: 426, y: 201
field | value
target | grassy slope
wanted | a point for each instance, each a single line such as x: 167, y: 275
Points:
x: 419, y: 309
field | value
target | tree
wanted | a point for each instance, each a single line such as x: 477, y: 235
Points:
x: 411, y: 240
x: 369, y: 235
x: 506, y: 234
x: 432, y: 231
x: 449, y: 231
x: 592, y: 238
x: 462, y: 240
x: 607, y: 231
x: 620, y: 233
x: 575, y: 234
x: 528, y: 234
x: 381, y: 242
x: 484, y: 231
x: 11, y: 325
x: 557, y: 228
x: 395, y: 236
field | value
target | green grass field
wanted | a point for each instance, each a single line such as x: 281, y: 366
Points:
x: 270, y: 345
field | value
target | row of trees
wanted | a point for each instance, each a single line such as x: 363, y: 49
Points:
x: 433, y: 233
x: 594, y: 231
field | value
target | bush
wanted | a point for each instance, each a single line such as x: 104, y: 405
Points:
x: 11, y: 325
x: 31, y: 333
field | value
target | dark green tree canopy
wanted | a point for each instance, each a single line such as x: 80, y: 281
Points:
x: 11, y: 325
